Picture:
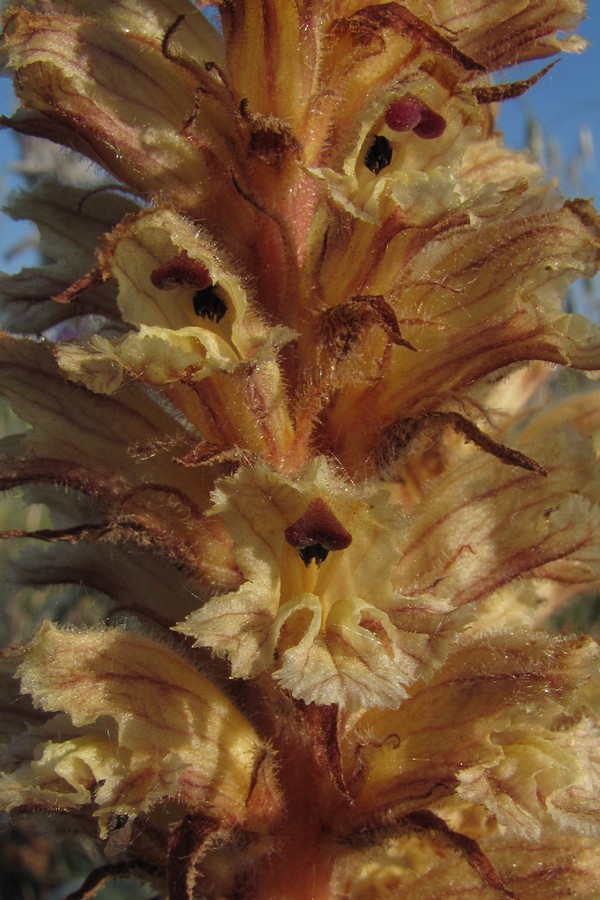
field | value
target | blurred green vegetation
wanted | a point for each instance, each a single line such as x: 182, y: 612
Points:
x: 37, y: 863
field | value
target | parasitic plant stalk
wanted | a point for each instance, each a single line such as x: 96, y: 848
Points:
x: 287, y: 381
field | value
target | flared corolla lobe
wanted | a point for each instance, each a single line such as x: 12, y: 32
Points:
x: 131, y: 739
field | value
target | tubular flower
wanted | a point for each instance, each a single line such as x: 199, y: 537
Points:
x: 286, y: 377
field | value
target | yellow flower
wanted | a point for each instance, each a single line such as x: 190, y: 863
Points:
x: 287, y: 383
x: 309, y: 609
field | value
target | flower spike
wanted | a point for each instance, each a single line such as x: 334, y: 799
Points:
x: 313, y: 498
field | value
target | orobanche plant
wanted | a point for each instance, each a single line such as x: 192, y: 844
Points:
x: 286, y: 377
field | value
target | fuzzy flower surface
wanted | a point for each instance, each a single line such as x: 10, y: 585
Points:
x: 286, y: 379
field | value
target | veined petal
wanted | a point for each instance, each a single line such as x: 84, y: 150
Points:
x: 499, y: 35
x: 553, y: 774
x: 514, y: 280
x: 146, y: 497
x: 102, y: 432
x: 284, y: 429
x: 526, y: 525
x: 425, y: 864
x: 357, y: 658
x: 408, y: 52
x: 156, y: 356
x: 494, y: 702
x: 152, y: 18
x: 581, y: 411
x: 99, y: 82
x: 132, y: 579
x: 488, y: 162
x: 271, y: 56
x: 150, y: 727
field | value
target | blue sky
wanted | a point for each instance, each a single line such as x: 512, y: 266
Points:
x: 565, y: 104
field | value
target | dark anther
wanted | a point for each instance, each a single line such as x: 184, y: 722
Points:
x: 379, y: 154
x: 118, y: 821
x: 317, y: 532
x: 314, y: 551
x: 209, y: 305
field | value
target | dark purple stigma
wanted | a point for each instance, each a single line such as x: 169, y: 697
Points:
x: 431, y: 125
x: 404, y: 114
x: 410, y: 114
x: 180, y: 271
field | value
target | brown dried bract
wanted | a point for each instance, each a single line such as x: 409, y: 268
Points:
x: 343, y: 326
x: 395, y: 446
